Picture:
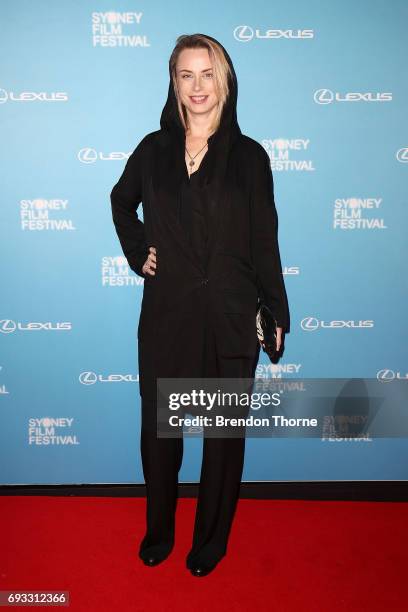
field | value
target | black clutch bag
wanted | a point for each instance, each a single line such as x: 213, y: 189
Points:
x: 266, y: 330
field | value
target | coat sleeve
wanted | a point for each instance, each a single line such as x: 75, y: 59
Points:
x: 264, y: 241
x: 125, y: 198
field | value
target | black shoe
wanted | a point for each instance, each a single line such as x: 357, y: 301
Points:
x: 152, y: 561
x: 202, y: 570
x: 157, y: 554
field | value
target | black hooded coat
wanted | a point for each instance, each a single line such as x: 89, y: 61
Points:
x: 187, y: 297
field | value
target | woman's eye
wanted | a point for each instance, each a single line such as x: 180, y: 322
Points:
x: 207, y: 75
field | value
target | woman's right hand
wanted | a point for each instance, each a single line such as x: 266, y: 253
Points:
x: 149, y: 266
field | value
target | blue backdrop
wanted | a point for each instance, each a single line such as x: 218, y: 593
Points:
x: 322, y: 86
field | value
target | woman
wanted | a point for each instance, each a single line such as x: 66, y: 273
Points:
x: 206, y: 249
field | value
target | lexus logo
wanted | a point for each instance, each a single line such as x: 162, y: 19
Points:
x: 323, y: 96
x: 309, y: 323
x: 7, y: 326
x: 326, y: 96
x: 88, y: 378
x: 385, y: 375
x: 389, y: 375
x: 402, y: 155
x: 87, y: 156
x: 243, y: 33
x: 3, y: 96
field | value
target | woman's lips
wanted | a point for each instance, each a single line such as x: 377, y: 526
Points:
x: 198, y: 99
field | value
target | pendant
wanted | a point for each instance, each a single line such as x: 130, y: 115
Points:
x: 191, y: 163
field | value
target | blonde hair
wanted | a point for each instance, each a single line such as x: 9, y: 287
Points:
x: 221, y: 70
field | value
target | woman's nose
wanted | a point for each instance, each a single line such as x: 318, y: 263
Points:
x: 197, y: 83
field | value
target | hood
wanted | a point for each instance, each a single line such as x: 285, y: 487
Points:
x: 228, y: 129
x: 169, y: 169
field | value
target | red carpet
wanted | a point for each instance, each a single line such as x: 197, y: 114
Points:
x: 283, y: 556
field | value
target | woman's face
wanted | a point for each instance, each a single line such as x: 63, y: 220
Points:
x: 195, y: 81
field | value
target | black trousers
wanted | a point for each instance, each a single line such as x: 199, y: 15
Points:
x: 221, y: 472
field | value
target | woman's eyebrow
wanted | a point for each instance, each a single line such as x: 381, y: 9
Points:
x: 185, y: 70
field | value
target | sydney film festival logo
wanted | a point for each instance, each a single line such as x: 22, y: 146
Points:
x: 117, y: 273
x: 112, y: 29
x: 345, y: 428
x: 277, y: 370
x: 357, y: 214
x: 49, y: 431
x: 41, y: 214
x: 288, y: 154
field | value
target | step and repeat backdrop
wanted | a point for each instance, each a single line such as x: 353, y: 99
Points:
x: 323, y: 88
